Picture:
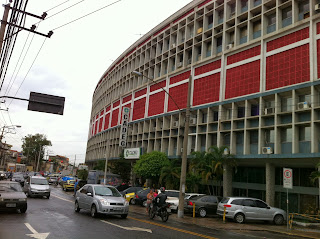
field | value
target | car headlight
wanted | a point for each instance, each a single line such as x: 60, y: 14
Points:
x: 104, y: 202
x: 22, y: 199
x: 126, y: 203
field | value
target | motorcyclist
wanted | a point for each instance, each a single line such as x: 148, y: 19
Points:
x: 160, y: 200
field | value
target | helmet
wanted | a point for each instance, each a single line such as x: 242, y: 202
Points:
x: 162, y: 189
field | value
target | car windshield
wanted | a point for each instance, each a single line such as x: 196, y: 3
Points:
x: 71, y: 181
x: 10, y: 187
x: 17, y: 176
x: 39, y: 181
x: 106, y: 191
x: 224, y: 200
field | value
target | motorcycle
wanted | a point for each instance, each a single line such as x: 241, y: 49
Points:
x: 162, y: 211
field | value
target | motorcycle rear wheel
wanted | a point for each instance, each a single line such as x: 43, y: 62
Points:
x: 164, y: 215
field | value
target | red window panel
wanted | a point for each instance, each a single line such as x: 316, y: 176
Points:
x: 97, y: 116
x: 156, y: 103
x: 96, y: 127
x: 101, y: 113
x: 208, y: 67
x: 288, y: 68
x: 204, y: 3
x: 184, y: 15
x: 180, y: 77
x: 114, y: 119
x: 255, y: 51
x: 158, y: 86
x: 140, y: 93
x: 126, y: 99
x: 243, y: 80
x: 288, y: 39
x: 179, y: 94
x: 318, y: 56
x: 206, y: 89
x: 108, y: 108
x: 318, y: 28
x: 100, y: 124
x: 106, y: 121
x: 139, y: 109
x: 116, y: 104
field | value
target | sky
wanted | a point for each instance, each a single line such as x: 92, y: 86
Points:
x: 70, y: 64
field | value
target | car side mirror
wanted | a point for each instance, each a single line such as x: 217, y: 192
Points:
x: 89, y: 194
x: 268, y: 207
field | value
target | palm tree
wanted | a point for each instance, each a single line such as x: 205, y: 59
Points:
x: 169, y: 175
x: 315, y: 174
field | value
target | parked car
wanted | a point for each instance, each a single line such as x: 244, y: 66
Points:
x: 68, y: 185
x: 102, y: 199
x: 18, y: 177
x: 53, y: 180
x: 37, y: 186
x: 204, y: 205
x: 12, y: 196
x: 2, y: 175
x: 122, y: 187
x: 130, y: 193
x: 241, y: 209
x: 141, y: 197
x: 174, y: 201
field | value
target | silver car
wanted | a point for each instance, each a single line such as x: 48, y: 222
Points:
x: 37, y: 186
x: 102, y: 199
x: 243, y: 208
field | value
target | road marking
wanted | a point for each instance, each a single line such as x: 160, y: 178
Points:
x: 128, y: 228
x: 173, y: 228
x: 35, y: 233
x: 54, y: 195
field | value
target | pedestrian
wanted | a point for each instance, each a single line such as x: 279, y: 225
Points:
x: 75, y: 187
x: 155, y: 194
x: 150, y: 197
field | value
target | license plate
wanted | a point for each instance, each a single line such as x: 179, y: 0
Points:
x: 117, y: 209
x: 11, y: 205
x: 168, y: 210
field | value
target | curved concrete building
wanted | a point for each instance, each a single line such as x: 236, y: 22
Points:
x: 255, y: 68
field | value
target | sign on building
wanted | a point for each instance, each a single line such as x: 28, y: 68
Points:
x: 124, y: 127
x: 287, y: 178
x: 133, y: 153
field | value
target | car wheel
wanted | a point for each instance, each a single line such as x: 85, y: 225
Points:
x: 123, y: 216
x: 48, y: 196
x: 132, y: 201
x: 239, y: 218
x: 144, y: 203
x: 202, y: 212
x: 24, y: 209
x: 93, y: 211
x: 278, y: 219
x: 76, y: 207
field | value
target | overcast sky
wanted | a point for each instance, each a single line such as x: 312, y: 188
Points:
x: 71, y: 63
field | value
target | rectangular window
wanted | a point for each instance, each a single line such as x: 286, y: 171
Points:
x: 305, y: 98
x: 286, y: 135
x: 241, y: 112
x: 254, y: 137
x: 305, y: 133
x: 304, y: 10
x: 269, y: 136
x: 271, y: 23
x: 286, y: 16
x: 243, y: 35
x: 254, y: 110
x: 286, y: 104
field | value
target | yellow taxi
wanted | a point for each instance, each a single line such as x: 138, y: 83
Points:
x: 68, y: 185
x: 129, y: 193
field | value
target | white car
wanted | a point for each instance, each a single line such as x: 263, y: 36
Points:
x: 174, y: 201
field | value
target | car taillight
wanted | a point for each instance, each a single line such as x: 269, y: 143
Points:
x: 190, y: 203
x: 137, y: 196
x: 227, y: 205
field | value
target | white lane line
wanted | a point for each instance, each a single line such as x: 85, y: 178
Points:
x: 128, y: 228
x: 35, y: 234
x: 54, y: 195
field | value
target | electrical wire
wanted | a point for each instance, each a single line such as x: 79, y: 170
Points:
x: 57, y: 6
x: 86, y: 15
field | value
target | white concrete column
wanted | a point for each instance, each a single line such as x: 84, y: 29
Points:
x: 227, y: 180
x: 270, y: 182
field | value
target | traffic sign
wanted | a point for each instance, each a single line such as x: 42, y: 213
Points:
x: 287, y: 178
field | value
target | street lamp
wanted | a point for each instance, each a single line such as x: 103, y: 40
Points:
x: 182, y: 190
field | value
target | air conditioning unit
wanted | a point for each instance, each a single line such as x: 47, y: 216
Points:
x: 317, y: 7
x: 179, y: 64
x: 268, y: 111
x: 267, y: 150
x: 199, y: 30
x: 176, y: 124
x: 226, y: 151
x: 173, y: 45
x: 303, y: 105
x: 193, y: 120
x: 229, y: 46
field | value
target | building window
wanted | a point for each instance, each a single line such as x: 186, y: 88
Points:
x: 254, y: 110
x: 286, y: 135
x: 286, y: 104
x: 305, y: 133
x: 243, y: 35
x: 286, y: 16
x: 256, y: 30
x: 210, y: 21
x: 241, y: 112
x: 219, y: 44
x: 269, y: 136
x: 256, y: 2
x: 244, y: 5
x: 271, y: 23
x: 215, y: 116
x: 304, y: 11
x: 220, y: 17
x: 232, y: 10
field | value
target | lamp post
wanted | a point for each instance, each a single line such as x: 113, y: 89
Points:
x: 9, y: 127
x: 182, y: 190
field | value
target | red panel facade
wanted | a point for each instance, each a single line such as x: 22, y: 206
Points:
x: 140, y: 93
x: 179, y: 94
x: 243, y: 80
x: 139, y: 109
x: 205, y: 2
x: 156, y: 103
x: 100, y: 124
x: 180, y: 77
x: 206, y: 89
x: 318, y: 57
x: 208, y: 67
x: 288, y: 67
x: 158, y: 86
x: 108, y: 108
x: 288, y: 39
x: 115, y: 104
x: 318, y: 28
x: 114, y: 119
x: 126, y: 99
x: 255, y: 51
x: 106, y: 121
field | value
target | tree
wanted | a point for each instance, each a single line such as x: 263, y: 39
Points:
x: 122, y: 168
x: 32, y: 145
x: 315, y: 174
x: 150, y: 164
x: 170, y: 174
x: 100, y: 165
x: 82, y: 174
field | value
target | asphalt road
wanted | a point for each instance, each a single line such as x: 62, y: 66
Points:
x: 56, y: 217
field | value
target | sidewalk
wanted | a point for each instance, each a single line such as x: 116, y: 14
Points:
x: 216, y: 223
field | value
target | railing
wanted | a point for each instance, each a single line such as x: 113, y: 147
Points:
x: 305, y: 216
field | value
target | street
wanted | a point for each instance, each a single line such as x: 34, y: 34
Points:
x: 55, y: 218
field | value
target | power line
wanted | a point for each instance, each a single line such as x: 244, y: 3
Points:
x: 87, y: 15
x: 57, y: 6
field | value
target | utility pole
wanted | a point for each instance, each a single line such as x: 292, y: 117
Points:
x: 4, y: 24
